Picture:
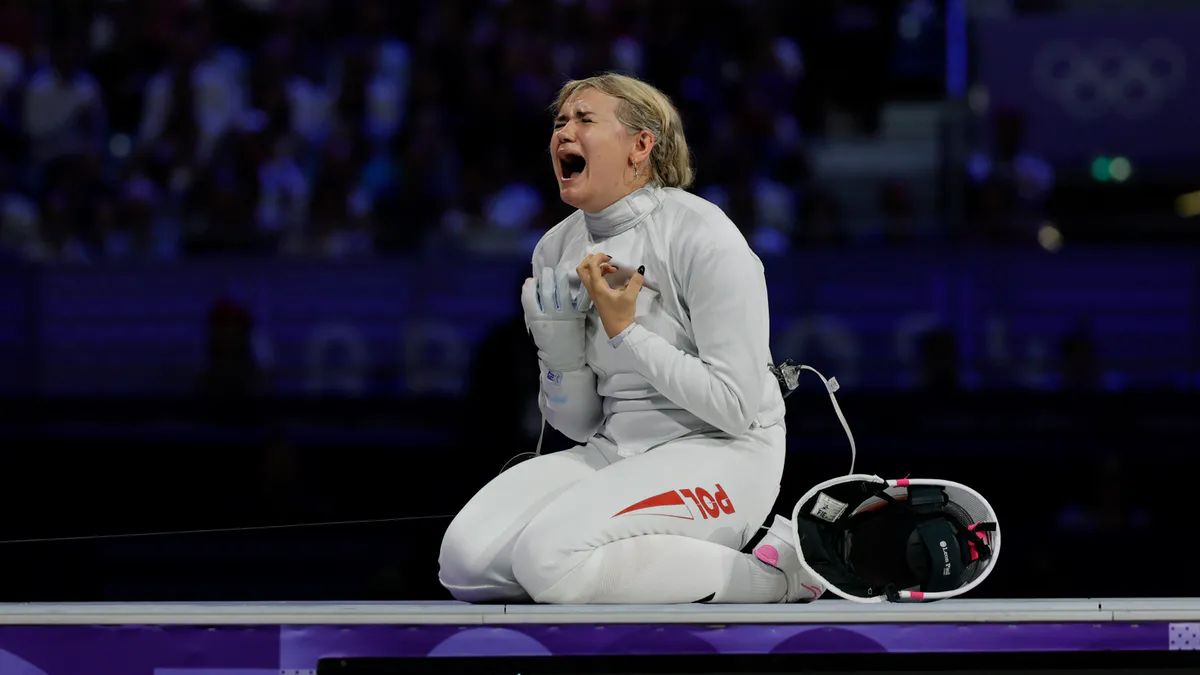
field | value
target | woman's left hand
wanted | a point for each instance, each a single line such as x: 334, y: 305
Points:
x: 616, y: 306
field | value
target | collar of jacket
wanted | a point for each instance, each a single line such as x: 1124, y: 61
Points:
x: 623, y: 213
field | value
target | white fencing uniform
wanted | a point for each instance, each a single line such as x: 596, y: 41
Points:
x: 680, y: 421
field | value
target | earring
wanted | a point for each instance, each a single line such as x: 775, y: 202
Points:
x: 635, y: 171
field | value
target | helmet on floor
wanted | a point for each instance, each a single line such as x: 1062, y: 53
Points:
x: 870, y: 539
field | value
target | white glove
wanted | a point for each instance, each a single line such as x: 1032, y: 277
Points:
x: 555, y: 318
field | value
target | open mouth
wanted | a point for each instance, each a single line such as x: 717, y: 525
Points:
x: 572, y: 165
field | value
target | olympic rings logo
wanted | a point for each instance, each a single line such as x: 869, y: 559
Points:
x: 1110, y: 77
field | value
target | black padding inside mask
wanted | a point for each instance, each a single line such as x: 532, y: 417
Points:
x: 878, y: 551
x: 821, y: 547
x: 935, y: 542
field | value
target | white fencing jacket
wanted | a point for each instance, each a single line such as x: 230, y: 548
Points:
x: 695, y: 360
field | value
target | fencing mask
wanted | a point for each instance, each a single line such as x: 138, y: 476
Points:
x: 871, y: 539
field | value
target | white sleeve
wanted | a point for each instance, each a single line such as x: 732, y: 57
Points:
x: 726, y: 294
x: 568, y: 399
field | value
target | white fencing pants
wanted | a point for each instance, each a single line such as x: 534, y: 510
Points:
x: 587, y: 526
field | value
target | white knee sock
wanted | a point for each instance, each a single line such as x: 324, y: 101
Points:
x: 666, y: 568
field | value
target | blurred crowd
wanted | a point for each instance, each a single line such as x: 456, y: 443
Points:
x: 135, y: 129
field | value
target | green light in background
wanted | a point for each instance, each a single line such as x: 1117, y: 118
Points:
x: 1101, y: 169
x: 1120, y: 169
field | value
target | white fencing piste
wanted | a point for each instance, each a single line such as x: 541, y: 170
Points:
x: 1097, y: 610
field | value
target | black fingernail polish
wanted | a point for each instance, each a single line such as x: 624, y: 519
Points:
x: 641, y: 269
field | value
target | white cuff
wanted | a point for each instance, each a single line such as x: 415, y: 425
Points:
x: 616, y: 340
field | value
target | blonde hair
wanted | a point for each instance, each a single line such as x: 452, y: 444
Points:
x: 643, y: 106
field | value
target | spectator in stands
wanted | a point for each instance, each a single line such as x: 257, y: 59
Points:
x: 64, y: 113
x: 283, y: 200
x: 232, y: 371
x: 20, y: 226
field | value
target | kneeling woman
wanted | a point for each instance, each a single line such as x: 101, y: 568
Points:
x: 650, y: 315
